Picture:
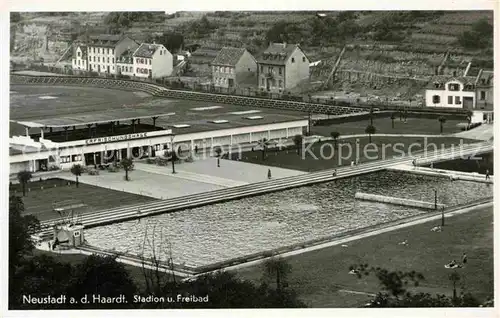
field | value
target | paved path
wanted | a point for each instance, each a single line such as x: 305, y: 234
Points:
x: 483, y: 132
x: 456, y: 175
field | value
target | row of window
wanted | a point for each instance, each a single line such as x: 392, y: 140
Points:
x: 223, y: 69
x: 142, y: 61
x: 72, y: 158
x: 272, y: 83
x: 143, y: 70
x: 103, y: 60
x: 220, y: 80
x: 270, y: 69
x: 128, y: 69
x: 78, y: 62
x: 102, y: 69
x: 101, y: 50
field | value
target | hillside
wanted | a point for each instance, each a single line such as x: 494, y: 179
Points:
x: 402, y: 44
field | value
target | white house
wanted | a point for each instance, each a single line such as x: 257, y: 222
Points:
x: 125, y: 63
x: 455, y: 92
x: 79, y: 61
x: 104, y: 50
x: 152, y: 61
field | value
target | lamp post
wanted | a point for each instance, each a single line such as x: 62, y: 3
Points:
x: 172, y: 136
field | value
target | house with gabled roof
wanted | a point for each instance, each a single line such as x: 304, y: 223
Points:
x: 484, y: 86
x: 79, y: 61
x: 451, y: 92
x: 281, y: 67
x: 125, y: 63
x: 104, y: 49
x: 152, y: 61
x: 233, y: 67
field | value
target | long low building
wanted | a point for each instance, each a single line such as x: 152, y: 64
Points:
x: 57, y: 127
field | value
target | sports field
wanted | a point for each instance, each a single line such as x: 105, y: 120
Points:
x: 321, y: 277
x: 39, y: 201
x: 37, y: 102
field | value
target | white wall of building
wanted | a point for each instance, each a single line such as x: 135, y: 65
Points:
x: 125, y: 68
x: 78, y: 62
x: 163, y: 63
x: 75, y: 150
x: 446, y: 95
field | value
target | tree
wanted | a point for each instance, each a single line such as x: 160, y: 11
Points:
x: 77, y: 171
x: 335, y: 135
x: 123, y: 21
x: 127, y: 165
x: 393, y: 117
x: 20, y: 230
x: 15, y: 17
x: 441, y: 120
x: 278, y: 269
x: 103, y: 277
x: 24, y: 177
x: 469, y: 116
x: 298, y: 140
x: 395, y: 292
x: 263, y: 143
x: 370, y: 130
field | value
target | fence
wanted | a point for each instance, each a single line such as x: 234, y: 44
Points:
x: 193, y: 90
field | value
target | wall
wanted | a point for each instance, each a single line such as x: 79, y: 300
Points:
x: 222, y: 74
x: 126, y: 66
x: 297, y: 71
x: 396, y: 201
x: 163, y: 64
x: 141, y: 63
x: 445, y: 93
x: 276, y: 82
x: 246, y: 67
x: 160, y: 91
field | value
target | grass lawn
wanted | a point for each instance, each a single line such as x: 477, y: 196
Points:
x: 384, y: 126
x: 39, y: 201
x: 320, y: 276
x: 472, y: 165
x: 291, y: 160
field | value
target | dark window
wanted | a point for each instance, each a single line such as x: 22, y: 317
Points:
x: 483, y: 95
x: 281, y: 71
x: 450, y: 100
x: 436, y: 99
x: 453, y: 87
x: 293, y: 60
x: 457, y: 100
x: 303, y: 59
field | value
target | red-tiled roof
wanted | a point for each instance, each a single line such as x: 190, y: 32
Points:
x: 147, y: 50
x: 277, y: 53
x: 228, y: 56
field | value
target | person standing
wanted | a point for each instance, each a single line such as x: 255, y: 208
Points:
x: 487, y: 174
x: 269, y: 176
x: 218, y: 162
x: 464, y: 259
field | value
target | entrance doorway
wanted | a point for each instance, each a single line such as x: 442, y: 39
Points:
x: 468, y: 102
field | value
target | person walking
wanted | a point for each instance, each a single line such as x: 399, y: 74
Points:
x: 269, y: 176
x: 218, y: 162
x: 464, y: 259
